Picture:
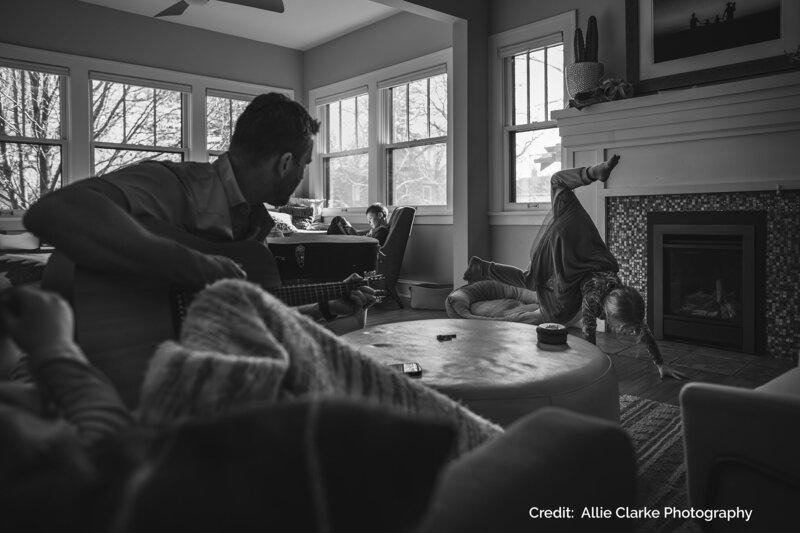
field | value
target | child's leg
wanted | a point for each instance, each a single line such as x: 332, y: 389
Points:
x: 572, y: 178
x: 479, y: 269
x: 340, y: 226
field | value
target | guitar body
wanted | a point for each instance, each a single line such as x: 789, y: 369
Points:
x: 121, y: 319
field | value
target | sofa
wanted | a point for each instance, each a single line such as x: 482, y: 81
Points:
x: 741, y: 451
x: 344, y: 467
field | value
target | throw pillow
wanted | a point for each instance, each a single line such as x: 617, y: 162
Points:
x: 283, y: 222
x: 292, y: 467
x: 317, y: 204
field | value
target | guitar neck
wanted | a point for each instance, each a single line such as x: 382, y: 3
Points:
x: 293, y: 295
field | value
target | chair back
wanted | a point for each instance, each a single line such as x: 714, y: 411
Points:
x: 390, y: 255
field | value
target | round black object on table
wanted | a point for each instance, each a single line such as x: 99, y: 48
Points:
x: 551, y: 333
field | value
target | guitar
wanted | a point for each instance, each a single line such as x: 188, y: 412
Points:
x: 121, y: 319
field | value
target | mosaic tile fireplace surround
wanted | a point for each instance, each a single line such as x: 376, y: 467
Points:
x: 626, y: 234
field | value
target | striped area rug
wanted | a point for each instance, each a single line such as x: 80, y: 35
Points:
x: 657, y: 435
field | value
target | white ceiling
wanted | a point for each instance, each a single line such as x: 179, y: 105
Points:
x: 304, y: 24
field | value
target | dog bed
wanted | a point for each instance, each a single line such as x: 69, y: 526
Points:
x: 492, y: 300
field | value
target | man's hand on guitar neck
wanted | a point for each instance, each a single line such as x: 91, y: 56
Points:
x: 359, y: 299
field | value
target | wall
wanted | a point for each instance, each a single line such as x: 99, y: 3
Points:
x: 89, y: 30
x: 387, y: 42
x: 508, y: 14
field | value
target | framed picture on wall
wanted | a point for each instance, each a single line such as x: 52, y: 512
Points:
x: 681, y: 43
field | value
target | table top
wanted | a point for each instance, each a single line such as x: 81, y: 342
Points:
x: 484, y: 354
x: 303, y: 238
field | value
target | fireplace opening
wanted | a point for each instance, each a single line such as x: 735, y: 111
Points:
x: 706, y: 278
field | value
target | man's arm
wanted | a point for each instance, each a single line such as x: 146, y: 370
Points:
x: 88, y: 222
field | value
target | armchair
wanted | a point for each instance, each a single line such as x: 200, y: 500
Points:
x: 741, y: 450
x: 390, y: 255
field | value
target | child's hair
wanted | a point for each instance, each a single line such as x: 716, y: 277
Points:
x: 377, y: 208
x: 626, y: 305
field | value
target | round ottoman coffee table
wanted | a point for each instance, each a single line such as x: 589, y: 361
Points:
x: 496, y: 368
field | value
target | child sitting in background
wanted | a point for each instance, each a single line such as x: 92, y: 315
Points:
x: 378, y: 218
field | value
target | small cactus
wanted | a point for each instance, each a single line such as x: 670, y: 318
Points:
x: 587, y: 51
x: 591, y: 40
x: 580, y: 49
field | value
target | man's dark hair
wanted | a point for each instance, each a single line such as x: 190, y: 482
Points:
x: 272, y: 124
x: 378, y: 208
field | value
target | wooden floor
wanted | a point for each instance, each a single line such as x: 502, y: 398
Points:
x: 633, y: 365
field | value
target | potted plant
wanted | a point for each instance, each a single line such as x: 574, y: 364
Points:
x: 584, y: 74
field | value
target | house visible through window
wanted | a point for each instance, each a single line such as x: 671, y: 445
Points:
x: 345, y: 151
x: 134, y: 123
x: 537, y: 81
x: 221, y: 115
x: 416, y: 154
x: 31, y: 139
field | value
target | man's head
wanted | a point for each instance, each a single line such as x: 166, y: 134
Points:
x: 377, y: 215
x: 271, y: 146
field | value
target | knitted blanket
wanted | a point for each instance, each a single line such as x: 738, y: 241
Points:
x: 240, y: 345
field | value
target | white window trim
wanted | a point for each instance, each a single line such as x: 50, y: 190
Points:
x: 76, y: 123
x: 501, y: 46
x: 437, y: 62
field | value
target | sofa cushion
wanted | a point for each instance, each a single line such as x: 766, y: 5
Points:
x: 292, y: 466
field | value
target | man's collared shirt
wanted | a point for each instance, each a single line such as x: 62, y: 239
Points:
x: 201, y: 198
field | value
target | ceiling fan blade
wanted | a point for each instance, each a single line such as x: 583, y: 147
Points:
x: 268, y: 5
x: 175, y: 9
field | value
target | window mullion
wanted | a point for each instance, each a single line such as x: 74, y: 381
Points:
x: 155, y: 118
x: 528, y: 85
x: 428, y: 94
x: 408, y: 111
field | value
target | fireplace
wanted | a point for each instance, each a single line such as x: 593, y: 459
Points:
x: 706, y: 278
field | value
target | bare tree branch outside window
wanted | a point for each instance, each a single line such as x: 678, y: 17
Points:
x: 30, y: 136
x: 132, y: 124
x: 417, y: 155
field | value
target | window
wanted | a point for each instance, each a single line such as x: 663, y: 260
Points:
x: 537, y: 77
x: 385, y: 137
x: 416, y: 153
x: 31, y: 135
x: 527, y: 86
x: 221, y: 114
x: 66, y: 117
x: 134, y: 123
x: 344, y: 148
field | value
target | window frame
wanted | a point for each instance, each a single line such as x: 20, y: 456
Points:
x: 387, y: 121
x: 379, y: 110
x: 502, y: 47
x: 184, y: 92
x: 61, y: 141
x: 77, y: 154
x: 323, y: 156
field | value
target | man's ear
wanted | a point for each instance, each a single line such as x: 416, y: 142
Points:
x: 284, y: 163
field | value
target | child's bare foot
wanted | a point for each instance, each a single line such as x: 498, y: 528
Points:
x: 602, y: 171
x: 476, y: 270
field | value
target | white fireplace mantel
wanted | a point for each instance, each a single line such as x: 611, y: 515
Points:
x: 738, y: 136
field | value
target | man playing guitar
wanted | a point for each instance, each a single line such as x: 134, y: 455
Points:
x: 118, y: 223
